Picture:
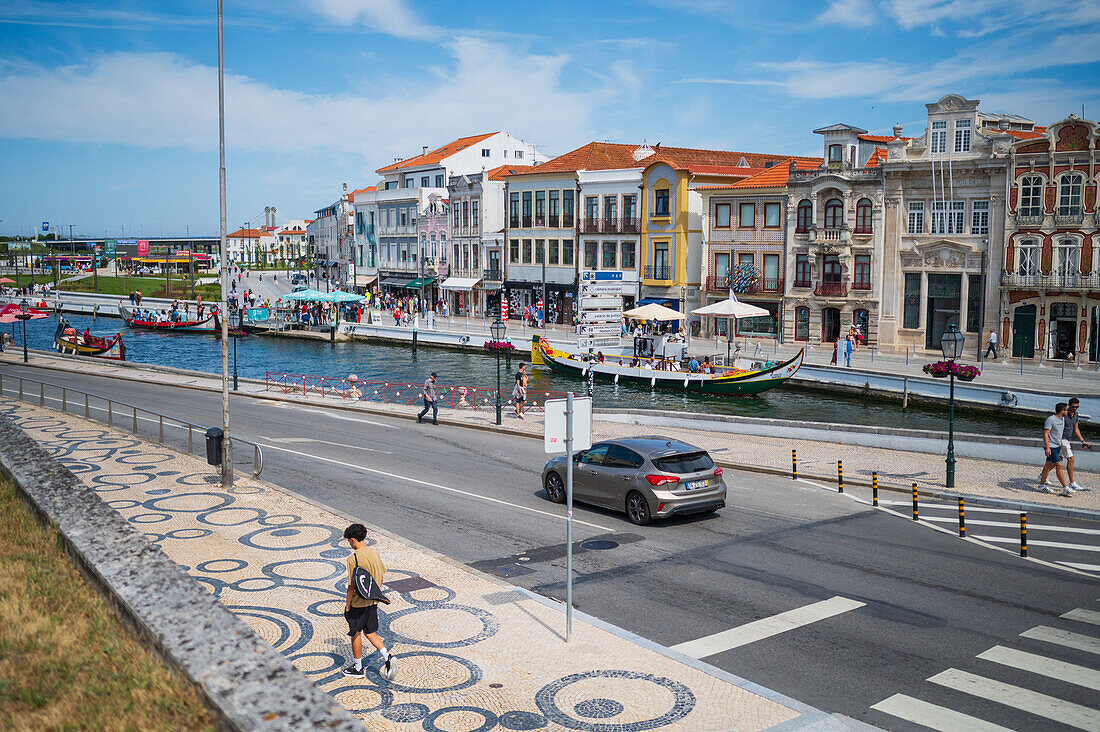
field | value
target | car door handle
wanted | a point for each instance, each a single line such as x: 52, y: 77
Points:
x: 625, y: 478
x: 593, y: 472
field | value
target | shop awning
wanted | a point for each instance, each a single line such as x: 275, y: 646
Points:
x: 460, y: 283
x: 489, y: 286
x: 365, y: 280
x: 420, y: 282
x: 660, y: 301
x: 393, y: 282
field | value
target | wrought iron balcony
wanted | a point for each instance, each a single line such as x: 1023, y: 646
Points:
x: 831, y: 289
x: 1030, y: 218
x: 629, y: 225
x: 590, y: 226
x: 771, y: 284
x: 492, y: 275
x: 1047, y: 282
x: 657, y: 272
x: 803, y: 283
x: 1069, y: 218
x: 861, y: 285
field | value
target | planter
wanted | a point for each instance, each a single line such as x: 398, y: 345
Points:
x: 940, y: 376
x: 960, y: 377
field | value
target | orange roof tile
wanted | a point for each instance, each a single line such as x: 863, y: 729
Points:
x: 246, y: 233
x: 360, y: 190
x: 879, y: 156
x: 774, y: 177
x: 882, y: 138
x: 500, y: 171
x: 436, y: 155
x: 1024, y: 134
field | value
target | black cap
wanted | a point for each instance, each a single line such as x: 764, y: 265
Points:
x: 433, y: 374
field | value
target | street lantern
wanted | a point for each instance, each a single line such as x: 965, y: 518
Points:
x: 24, y: 306
x: 497, y: 329
x: 951, y: 345
x: 235, y: 332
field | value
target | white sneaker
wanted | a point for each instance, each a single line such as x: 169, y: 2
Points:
x: 1048, y: 488
x: 1074, y: 487
x: 1067, y: 491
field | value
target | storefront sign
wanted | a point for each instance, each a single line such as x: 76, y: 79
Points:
x: 143, y: 247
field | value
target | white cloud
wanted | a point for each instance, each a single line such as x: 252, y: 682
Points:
x: 849, y: 13
x: 980, y: 17
x: 160, y: 100
x: 393, y: 17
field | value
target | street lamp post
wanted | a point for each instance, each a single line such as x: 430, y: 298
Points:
x: 24, y: 316
x: 497, y: 329
x: 235, y: 322
x: 951, y: 345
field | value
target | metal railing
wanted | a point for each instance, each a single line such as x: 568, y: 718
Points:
x: 116, y: 416
x: 657, y: 272
x: 1087, y: 283
x: 833, y: 289
x: 492, y: 275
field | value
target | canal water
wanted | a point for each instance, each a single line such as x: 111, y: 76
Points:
x: 258, y: 355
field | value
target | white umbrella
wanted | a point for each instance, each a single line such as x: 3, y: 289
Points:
x: 653, y: 311
x: 731, y: 308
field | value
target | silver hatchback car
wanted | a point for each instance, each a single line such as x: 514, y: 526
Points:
x: 647, y: 477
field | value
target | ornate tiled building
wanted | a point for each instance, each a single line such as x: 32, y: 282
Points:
x: 1050, y: 283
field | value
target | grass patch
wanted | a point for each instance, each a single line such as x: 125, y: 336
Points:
x: 149, y: 286
x: 66, y: 661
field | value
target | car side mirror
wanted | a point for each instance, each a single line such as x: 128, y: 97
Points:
x: 577, y: 458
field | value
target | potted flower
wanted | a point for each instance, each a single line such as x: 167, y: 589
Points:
x: 939, y: 369
x: 499, y: 346
x: 966, y: 373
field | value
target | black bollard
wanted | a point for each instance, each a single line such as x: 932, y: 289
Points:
x: 916, y: 516
x: 839, y: 476
x: 962, y: 518
x: 874, y: 488
x: 794, y: 464
x: 1023, y: 534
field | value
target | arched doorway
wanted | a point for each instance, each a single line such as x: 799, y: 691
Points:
x: 1094, y: 337
x: 830, y: 325
x: 1023, y: 332
x: 1063, y: 331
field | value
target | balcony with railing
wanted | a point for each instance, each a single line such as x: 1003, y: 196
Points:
x: 719, y: 283
x: 1029, y: 217
x: 657, y: 272
x: 830, y: 235
x: 863, y: 285
x: 831, y: 289
x: 630, y: 225
x: 1066, y: 218
x: 804, y: 283
x: 492, y: 275
x: 1041, y: 282
x: 589, y: 226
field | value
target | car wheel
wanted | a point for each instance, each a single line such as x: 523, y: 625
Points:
x: 555, y: 491
x: 637, y: 510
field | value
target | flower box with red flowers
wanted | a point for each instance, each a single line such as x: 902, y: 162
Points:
x: 499, y: 346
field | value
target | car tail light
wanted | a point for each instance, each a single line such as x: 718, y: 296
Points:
x: 717, y: 472
x: 660, y: 507
x: 661, y: 479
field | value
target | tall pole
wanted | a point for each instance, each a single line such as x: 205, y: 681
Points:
x: 569, y: 517
x: 227, y: 445
x: 498, y: 385
x: 951, y: 432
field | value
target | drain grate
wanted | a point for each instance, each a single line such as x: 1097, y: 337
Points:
x: 600, y: 544
x: 410, y: 585
x: 510, y: 570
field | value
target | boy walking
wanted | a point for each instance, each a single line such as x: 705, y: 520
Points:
x: 1052, y: 445
x: 1071, y: 430
x: 362, y: 614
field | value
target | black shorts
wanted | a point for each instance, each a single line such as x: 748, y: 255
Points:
x: 362, y: 619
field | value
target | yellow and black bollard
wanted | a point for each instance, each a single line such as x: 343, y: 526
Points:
x: 874, y: 488
x: 962, y: 518
x: 916, y: 516
x: 1023, y: 534
x: 839, y: 476
x: 794, y: 464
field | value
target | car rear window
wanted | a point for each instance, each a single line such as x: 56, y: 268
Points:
x: 688, y: 462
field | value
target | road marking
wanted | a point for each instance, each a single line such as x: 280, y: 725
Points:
x: 1071, y: 673
x: 435, y: 485
x: 1082, y: 567
x: 293, y: 440
x: 1084, y: 616
x: 766, y: 627
x: 1063, y: 638
x: 332, y: 415
x: 1011, y: 524
x: 948, y: 507
x: 1018, y: 697
x: 933, y: 716
x: 1037, y: 542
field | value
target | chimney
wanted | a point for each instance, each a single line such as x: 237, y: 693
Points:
x: 897, y: 130
x: 425, y: 150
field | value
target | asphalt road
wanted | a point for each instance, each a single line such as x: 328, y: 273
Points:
x: 893, y: 602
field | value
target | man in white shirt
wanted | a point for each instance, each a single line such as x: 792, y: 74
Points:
x: 992, y: 347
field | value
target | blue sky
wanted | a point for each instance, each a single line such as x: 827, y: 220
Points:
x: 108, y: 111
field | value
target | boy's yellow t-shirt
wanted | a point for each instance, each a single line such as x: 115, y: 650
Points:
x: 370, y: 561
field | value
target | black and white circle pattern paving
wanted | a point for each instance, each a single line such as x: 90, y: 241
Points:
x: 635, y: 690
x: 196, y: 502
x: 292, y: 538
x: 440, y: 626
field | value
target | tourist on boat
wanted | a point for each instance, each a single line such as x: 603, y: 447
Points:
x: 648, y: 364
x: 693, y: 365
x: 599, y: 356
x: 86, y: 338
x: 707, y: 367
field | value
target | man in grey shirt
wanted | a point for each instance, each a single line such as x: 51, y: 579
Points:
x: 1052, y: 445
x: 1069, y: 431
x: 431, y: 400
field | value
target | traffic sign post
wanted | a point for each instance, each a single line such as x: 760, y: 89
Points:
x: 600, y: 309
x: 568, y: 424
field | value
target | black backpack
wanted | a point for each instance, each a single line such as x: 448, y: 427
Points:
x: 365, y: 586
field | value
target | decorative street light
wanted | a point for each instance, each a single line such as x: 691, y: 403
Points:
x: 497, y: 329
x: 235, y: 332
x: 24, y: 316
x: 951, y: 345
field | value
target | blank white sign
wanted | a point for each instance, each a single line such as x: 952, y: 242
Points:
x: 554, y: 437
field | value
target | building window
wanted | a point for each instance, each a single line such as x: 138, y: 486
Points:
x: 424, y: 181
x: 746, y: 259
x: 862, y: 278
x: 473, y: 213
x: 552, y: 257
x: 974, y: 305
x: 610, y: 252
x: 626, y: 260
x: 465, y: 213
x: 404, y: 217
x: 630, y: 207
x: 567, y: 252
x: 721, y: 268
x: 938, y: 143
x: 722, y: 216
x: 513, y: 210
x: 526, y: 209
x: 805, y: 216
x: 1067, y: 260
x: 802, y: 274
x: 540, y: 208
x: 1031, y: 196
x: 457, y: 213
x: 962, y: 135
x: 836, y: 155
x: 439, y: 181
x: 771, y: 215
x: 661, y: 270
x: 527, y: 251
x: 519, y: 155
x: 1069, y: 196
x: 591, y: 209
x: 763, y: 325
x: 979, y: 217
x: 802, y: 324
x: 610, y: 208
x: 555, y: 209
x: 916, y: 217
x: 540, y: 251
x: 746, y: 216
x: 831, y: 272
x: 409, y: 182
x: 863, y: 216
x: 772, y: 281
x: 484, y: 152
x: 590, y: 249
x: 834, y: 214
x: 911, y: 315
x: 566, y: 209
x: 948, y: 217
x: 1027, y: 258
x: 660, y: 202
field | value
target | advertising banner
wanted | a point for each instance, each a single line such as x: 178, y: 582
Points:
x: 143, y: 247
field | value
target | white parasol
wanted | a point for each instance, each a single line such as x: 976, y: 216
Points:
x: 731, y: 308
x: 653, y: 311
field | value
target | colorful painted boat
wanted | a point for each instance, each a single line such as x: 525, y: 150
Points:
x: 750, y: 379
x: 207, y: 324
x: 67, y: 340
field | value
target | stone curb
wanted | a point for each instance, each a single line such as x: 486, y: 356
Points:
x: 364, y: 408
x: 246, y: 683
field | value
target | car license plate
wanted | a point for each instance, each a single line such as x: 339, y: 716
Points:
x: 696, y: 484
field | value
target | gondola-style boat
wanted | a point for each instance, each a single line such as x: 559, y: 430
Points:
x: 744, y: 377
x: 67, y: 340
x: 207, y: 324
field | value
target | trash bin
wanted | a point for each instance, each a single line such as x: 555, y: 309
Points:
x: 214, y: 438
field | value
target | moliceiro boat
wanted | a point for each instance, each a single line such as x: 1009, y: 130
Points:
x: 67, y: 340
x: 743, y: 377
x: 207, y: 324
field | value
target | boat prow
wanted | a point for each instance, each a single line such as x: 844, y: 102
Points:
x: 67, y: 340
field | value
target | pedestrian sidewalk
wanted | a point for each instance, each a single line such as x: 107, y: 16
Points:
x: 896, y: 468
x: 472, y: 651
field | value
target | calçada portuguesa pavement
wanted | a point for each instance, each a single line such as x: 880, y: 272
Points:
x: 474, y: 652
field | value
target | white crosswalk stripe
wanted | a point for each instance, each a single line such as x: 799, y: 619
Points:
x: 1063, y: 638
x: 1043, y: 705
x: 1037, y: 542
x: 1013, y: 525
x: 1084, y: 616
x: 1071, y: 673
x: 933, y: 716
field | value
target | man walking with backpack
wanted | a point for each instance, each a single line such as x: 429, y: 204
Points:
x: 361, y: 612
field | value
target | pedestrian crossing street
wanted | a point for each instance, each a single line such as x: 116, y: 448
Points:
x: 1046, y: 678
x: 1069, y: 542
